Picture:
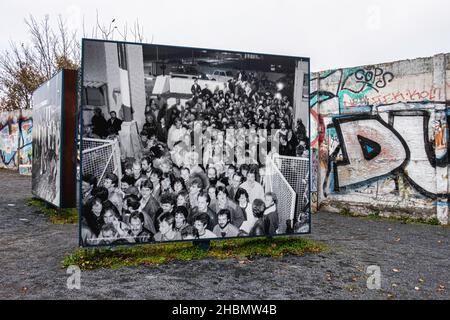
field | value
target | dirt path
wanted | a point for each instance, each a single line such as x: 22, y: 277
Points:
x: 414, y: 262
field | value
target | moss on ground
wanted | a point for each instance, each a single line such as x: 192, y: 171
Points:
x: 57, y: 215
x: 376, y: 215
x: 431, y: 221
x: 124, y: 256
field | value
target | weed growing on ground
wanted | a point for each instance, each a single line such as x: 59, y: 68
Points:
x: 123, y: 256
x: 57, y: 215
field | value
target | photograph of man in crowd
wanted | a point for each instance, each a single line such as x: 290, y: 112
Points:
x: 205, y: 128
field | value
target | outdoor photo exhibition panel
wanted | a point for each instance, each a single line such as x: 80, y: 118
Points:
x: 53, y: 161
x: 181, y: 143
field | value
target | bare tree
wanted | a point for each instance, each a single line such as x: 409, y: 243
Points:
x: 112, y: 31
x: 19, y: 77
x: 24, y: 67
x: 138, y: 32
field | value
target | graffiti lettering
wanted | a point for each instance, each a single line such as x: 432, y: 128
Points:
x: 377, y: 78
x: 15, y: 140
x: 431, y: 95
x: 352, y: 88
x: 386, y: 135
x: 372, y: 149
x: 356, y: 167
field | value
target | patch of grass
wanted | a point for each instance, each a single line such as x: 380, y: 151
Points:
x: 376, y: 215
x: 346, y: 212
x: 57, y: 216
x: 432, y: 221
x: 352, y: 287
x: 124, y: 256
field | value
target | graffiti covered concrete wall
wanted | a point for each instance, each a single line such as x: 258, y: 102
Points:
x: 25, y: 142
x: 15, y: 140
x: 379, y: 137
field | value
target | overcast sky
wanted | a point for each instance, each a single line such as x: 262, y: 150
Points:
x: 333, y: 33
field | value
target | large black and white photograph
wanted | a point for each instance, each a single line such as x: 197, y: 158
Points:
x: 46, y: 102
x: 183, y: 143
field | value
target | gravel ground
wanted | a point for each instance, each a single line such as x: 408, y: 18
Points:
x: 414, y: 262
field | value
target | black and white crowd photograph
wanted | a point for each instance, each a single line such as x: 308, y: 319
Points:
x: 46, y: 147
x: 183, y: 144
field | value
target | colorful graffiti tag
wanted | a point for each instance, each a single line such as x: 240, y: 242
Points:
x: 381, y: 133
x: 15, y: 140
x: 9, y: 139
x: 344, y: 86
x: 372, y: 148
x: 25, y: 143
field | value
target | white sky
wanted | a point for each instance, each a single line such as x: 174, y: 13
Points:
x: 339, y: 33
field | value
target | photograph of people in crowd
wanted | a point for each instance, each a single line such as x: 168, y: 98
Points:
x: 204, y: 134
x: 47, y: 141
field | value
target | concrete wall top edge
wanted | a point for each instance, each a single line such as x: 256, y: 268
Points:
x: 425, y: 62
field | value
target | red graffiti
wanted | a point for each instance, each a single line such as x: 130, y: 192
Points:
x: 434, y: 94
x: 321, y: 134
